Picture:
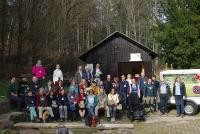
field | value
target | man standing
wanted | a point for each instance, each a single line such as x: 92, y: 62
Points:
x: 78, y: 75
x: 107, y: 84
x: 142, y: 85
x: 156, y: 85
x: 87, y: 74
x: 123, y: 91
x: 97, y: 74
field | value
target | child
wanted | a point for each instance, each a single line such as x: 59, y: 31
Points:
x: 42, y: 105
x: 52, y: 102
x: 62, y: 104
x: 91, y: 102
x: 81, y: 103
x: 30, y: 105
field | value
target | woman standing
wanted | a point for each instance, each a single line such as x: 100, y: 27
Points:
x: 113, y: 100
x: 39, y: 71
x: 179, y: 94
x: 57, y: 74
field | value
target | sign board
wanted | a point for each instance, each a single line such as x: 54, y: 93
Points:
x: 135, y: 57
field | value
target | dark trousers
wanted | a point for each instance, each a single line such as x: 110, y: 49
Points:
x: 16, y: 101
x: 179, y: 104
x: 141, y: 95
x: 163, y: 103
x: 124, y: 101
x: 40, y: 82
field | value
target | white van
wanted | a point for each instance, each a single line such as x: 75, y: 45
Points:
x: 191, y: 78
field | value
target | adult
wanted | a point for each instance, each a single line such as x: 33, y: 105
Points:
x: 102, y: 103
x: 34, y: 85
x: 115, y: 83
x: 108, y: 84
x: 123, y: 91
x: 134, y: 87
x: 57, y: 74
x: 179, y: 94
x: 142, y: 85
x: 113, y: 101
x: 39, y: 71
x: 156, y: 85
x: 48, y: 87
x: 78, y: 75
x: 12, y: 94
x: 87, y: 74
x: 164, y: 92
x: 97, y: 72
x: 149, y: 95
x: 129, y: 80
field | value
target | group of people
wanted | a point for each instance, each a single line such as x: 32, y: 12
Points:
x: 87, y: 93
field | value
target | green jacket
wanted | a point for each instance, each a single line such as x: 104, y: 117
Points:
x: 150, y: 90
x: 11, y: 88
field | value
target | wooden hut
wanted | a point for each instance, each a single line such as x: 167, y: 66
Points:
x: 118, y: 54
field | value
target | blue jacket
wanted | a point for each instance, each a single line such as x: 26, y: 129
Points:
x: 142, y: 84
x: 124, y: 87
x: 30, y: 101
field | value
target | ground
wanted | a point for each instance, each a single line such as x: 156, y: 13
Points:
x: 153, y: 125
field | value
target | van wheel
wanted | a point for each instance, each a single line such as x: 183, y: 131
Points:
x: 190, y: 108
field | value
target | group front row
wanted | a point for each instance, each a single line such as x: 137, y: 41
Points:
x: 64, y: 106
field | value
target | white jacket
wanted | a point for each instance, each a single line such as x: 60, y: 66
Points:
x: 57, y: 74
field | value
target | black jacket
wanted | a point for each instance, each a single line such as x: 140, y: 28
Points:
x: 182, y: 89
x: 24, y: 86
x: 63, y: 100
x: 30, y: 101
x: 51, y: 100
x: 34, y: 88
x: 107, y: 86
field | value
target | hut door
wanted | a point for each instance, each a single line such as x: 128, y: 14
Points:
x: 129, y: 67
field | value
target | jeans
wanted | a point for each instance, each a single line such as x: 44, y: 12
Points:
x: 63, y: 112
x: 16, y: 100
x: 32, y: 113
x: 91, y: 109
x: 112, y: 110
x: 163, y: 103
x: 179, y: 104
